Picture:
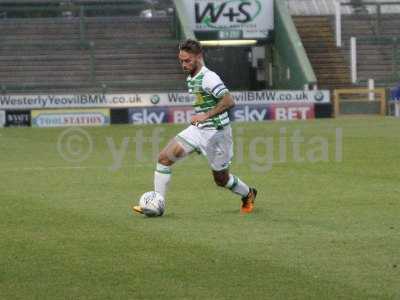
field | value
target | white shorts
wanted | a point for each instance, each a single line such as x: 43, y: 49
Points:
x: 216, y: 145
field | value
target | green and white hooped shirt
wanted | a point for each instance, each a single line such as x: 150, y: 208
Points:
x: 208, y: 89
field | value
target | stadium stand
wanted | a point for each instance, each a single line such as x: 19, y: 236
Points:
x: 330, y: 67
x: 378, y: 47
x: 86, y: 47
x: 140, y: 51
x: 376, y: 25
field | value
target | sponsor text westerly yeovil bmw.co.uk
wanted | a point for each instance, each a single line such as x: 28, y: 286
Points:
x: 49, y: 101
x: 259, y: 97
x: 163, y: 99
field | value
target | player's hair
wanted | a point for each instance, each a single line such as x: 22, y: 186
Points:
x: 191, y: 46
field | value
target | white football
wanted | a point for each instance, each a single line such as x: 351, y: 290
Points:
x: 152, y: 203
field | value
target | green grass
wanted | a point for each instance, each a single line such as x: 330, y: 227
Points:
x: 322, y: 230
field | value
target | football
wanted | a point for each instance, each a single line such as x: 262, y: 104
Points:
x: 152, y: 203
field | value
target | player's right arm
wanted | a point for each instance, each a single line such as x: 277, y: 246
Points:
x: 223, y: 105
x: 213, y: 85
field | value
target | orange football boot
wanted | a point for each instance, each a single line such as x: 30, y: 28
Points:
x: 248, y: 201
x: 137, y: 209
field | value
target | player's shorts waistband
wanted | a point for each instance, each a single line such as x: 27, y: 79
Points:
x: 220, y: 127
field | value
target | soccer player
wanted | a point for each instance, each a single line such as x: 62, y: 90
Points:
x: 210, y: 132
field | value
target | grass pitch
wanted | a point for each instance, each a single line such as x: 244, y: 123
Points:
x: 326, y: 224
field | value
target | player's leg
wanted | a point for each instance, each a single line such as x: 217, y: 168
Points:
x: 224, y: 178
x: 180, y: 146
x: 162, y: 175
x: 220, y: 153
x: 167, y: 157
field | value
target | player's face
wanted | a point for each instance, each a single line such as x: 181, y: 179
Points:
x: 190, y: 62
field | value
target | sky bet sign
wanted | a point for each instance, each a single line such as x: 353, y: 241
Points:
x: 240, y: 113
x: 231, y: 19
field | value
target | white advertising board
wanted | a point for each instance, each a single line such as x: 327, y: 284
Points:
x: 231, y: 19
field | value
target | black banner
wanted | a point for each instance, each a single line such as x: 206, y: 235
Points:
x: 119, y: 116
x: 18, y: 118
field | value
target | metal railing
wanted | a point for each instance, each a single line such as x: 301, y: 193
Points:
x: 311, y: 7
x: 72, y: 10
x: 327, y: 7
x: 69, y: 10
